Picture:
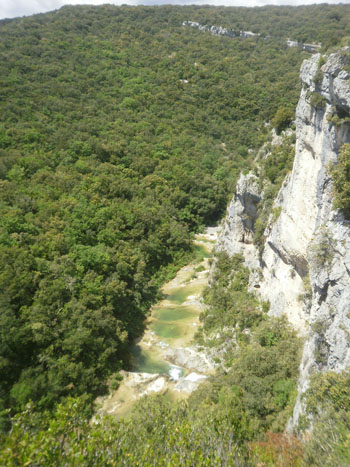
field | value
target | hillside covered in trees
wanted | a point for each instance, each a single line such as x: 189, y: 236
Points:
x: 122, y: 133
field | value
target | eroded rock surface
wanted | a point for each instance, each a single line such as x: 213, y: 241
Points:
x: 189, y: 358
x: 291, y: 251
x: 237, y: 233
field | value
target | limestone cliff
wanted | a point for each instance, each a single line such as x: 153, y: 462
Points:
x: 305, y: 262
x: 237, y: 233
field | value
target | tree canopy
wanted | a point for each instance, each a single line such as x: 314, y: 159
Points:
x: 122, y: 133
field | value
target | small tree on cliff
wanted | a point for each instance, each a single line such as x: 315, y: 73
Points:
x: 341, y: 181
x: 282, y: 119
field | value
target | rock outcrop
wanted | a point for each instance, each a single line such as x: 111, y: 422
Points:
x: 305, y: 263
x: 190, y: 358
x: 237, y: 234
x: 220, y: 30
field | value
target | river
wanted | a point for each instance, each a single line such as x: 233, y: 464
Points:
x: 165, y: 360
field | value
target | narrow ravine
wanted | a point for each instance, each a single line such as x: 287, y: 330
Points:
x: 165, y: 360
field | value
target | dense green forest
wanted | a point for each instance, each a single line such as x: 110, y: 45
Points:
x: 109, y: 160
x: 121, y: 134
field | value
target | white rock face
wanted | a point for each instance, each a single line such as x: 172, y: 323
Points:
x: 307, y: 220
x: 158, y: 385
x: 190, y: 358
x: 237, y: 232
x: 190, y: 383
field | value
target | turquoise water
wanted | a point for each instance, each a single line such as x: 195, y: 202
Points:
x: 181, y: 294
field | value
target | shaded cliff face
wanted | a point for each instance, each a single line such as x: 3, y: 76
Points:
x: 305, y: 265
x: 237, y: 234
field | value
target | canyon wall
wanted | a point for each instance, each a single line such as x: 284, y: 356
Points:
x: 304, y: 267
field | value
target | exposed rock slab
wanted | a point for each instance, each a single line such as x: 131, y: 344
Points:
x: 189, y: 358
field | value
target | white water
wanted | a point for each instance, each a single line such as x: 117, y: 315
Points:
x: 175, y: 372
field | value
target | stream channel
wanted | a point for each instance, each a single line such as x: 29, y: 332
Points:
x: 165, y: 360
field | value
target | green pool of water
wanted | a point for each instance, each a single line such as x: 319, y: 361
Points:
x: 202, y: 252
x: 178, y: 296
x: 143, y: 362
x: 172, y: 314
x: 166, y: 329
x: 169, y: 323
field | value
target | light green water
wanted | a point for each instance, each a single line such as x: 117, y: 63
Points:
x: 171, y: 327
x: 180, y: 295
x: 202, y: 252
x: 173, y: 314
x: 172, y: 321
x: 143, y: 362
x: 166, y: 330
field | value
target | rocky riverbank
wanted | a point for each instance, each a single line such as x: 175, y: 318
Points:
x: 165, y: 359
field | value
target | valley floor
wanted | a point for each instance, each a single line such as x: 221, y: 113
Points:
x: 165, y: 360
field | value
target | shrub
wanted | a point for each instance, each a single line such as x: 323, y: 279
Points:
x: 328, y: 389
x: 276, y: 212
x: 277, y: 449
x: 282, y: 119
x: 229, y: 302
x: 328, y: 401
x: 274, y: 169
x: 306, y: 296
x: 319, y: 75
x: 322, y: 250
x: 340, y: 173
x: 316, y: 100
x: 266, y: 370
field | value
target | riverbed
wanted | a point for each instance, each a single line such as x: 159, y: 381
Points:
x: 165, y: 359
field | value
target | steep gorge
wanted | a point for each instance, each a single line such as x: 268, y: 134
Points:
x: 303, y: 267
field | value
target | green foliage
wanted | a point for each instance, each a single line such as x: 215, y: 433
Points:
x: 278, y: 163
x: 306, y: 295
x: 274, y: 168
x: 328, y: 389
x: 109, y: 161
x: 115, y: 381
x: 316, y: 100
x: 319, y: 75
x: 276, y: 212
x: 282, y: 119
x: 122, y: 133
x: 338, y: 116
x: 261, y: 354
x: 321, y: 352
x: 230, y: 305
x: 267, y: 372
x: 329, y: 444
x: 157, y: 434
x: 340, y: 173
x: 328, y: 401
x: 322, y: 249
